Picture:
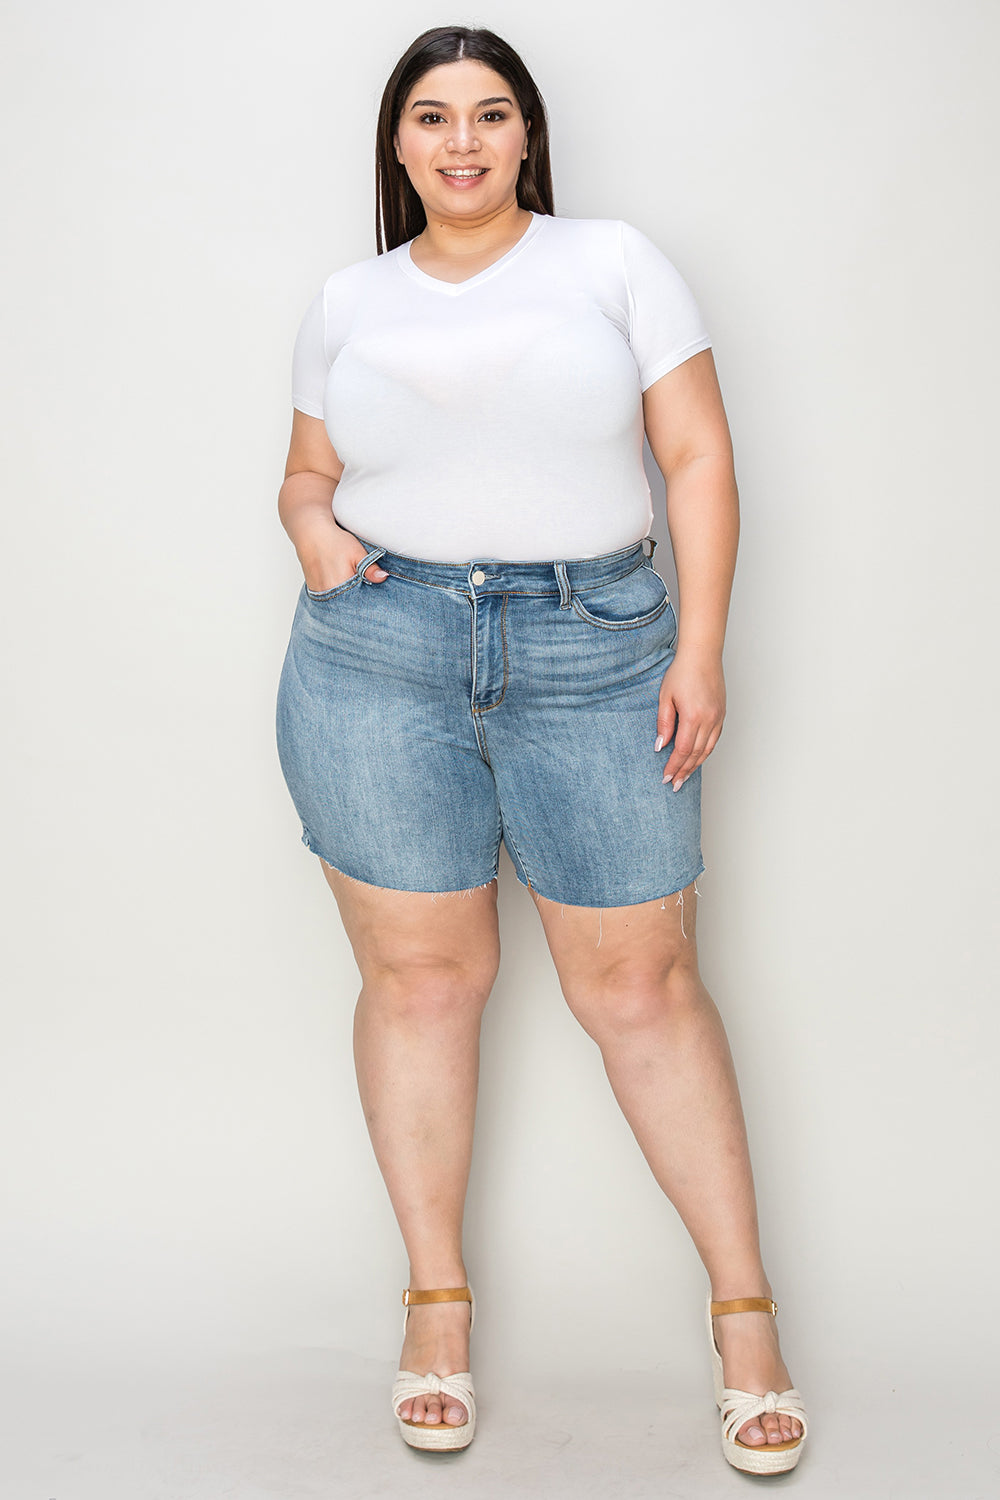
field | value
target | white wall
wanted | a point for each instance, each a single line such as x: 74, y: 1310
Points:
x: 188, y: 1163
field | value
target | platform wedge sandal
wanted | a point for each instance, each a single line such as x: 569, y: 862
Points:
x: 436, y: 1437
x: 737, y: 1407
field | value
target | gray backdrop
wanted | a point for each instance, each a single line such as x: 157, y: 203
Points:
x: 188, y: 1177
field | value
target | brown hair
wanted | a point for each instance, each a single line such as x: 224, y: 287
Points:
x: 399, y: 213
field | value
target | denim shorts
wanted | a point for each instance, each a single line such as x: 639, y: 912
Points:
x: 427, y: 718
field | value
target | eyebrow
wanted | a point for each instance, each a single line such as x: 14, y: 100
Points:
x: 440, y: 104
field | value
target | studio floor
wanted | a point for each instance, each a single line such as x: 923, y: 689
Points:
x: 286, y: 1425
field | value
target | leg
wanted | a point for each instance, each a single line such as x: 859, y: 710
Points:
x: 638, y: 993
x: 427, y: 965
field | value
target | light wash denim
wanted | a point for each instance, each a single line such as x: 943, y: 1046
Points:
x: 423, y: 719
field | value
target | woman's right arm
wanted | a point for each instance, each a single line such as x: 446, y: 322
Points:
x: 327, y: 553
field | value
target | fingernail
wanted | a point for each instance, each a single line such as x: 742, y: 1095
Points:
x: 679, y: 784
x: 660, y: 742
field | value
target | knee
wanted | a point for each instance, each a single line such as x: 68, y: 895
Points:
x: 424, y: 988
x: 636, y: 993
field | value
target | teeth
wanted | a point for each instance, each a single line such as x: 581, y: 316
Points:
x: 463, y: 172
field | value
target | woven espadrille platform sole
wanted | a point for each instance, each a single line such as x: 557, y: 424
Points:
x: 436, y: 1437
x: 737, y: 1407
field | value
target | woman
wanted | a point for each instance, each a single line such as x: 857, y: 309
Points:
x: 481, y: 651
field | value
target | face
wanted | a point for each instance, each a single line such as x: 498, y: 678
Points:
x: 462, y: 138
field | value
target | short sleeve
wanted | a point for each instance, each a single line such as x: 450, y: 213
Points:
x: 665, y: 323
x: 310, y: 365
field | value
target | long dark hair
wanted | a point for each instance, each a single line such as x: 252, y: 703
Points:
x: 399, y: 213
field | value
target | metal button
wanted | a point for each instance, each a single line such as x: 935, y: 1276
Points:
x: 479, y: 576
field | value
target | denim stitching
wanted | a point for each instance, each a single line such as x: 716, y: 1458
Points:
x: 549, y: 593
x: 503, y: 643
x: 340, y: 588
x: 617, y: 579
x: 506, y: 830
x: 620, y: 624
x: 647, y: 619
x: 473, y: 670
x: 445, y: 588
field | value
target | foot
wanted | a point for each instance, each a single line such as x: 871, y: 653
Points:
x: 437, y: 1338
x: 751, y: 1361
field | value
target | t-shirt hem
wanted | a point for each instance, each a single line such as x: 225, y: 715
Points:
x: 309, y: 407
x: 672, y: 361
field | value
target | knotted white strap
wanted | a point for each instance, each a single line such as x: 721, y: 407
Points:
x: 740, y: 1406
x: 408, y: 1385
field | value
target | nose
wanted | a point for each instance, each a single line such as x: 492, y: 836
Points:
x: 463, y: 137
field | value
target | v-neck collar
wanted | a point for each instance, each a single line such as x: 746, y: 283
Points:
x: 453, y: 288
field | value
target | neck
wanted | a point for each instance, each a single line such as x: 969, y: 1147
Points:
x: 468, y: 236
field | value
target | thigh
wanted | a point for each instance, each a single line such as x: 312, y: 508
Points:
x: 376, y: 740
x: 406, y: 932
x: 586, y: 816
x: 628, y: 946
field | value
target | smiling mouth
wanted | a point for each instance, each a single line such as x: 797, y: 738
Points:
x: 463, y: 171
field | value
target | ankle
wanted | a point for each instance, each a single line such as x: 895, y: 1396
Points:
x: 436, y: 1276
x: 729, y: 1288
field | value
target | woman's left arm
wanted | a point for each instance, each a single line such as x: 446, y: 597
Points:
x: 689, y: 437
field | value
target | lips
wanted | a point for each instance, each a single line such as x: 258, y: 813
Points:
x: 463, y: 174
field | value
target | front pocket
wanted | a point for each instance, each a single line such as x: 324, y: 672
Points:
x: 340, y: 588
x: 639, y: 598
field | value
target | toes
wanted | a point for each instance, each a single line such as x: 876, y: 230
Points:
x: 429, y: 1409
x: 772, y: 1428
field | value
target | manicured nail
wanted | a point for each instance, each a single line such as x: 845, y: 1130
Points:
x: 754, y: 1432
x: 660, y: 742
x: 679, y: 784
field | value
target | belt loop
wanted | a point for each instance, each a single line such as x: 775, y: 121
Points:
x: 652, y: 547
x: 565, y: 592
x: 366, y: 562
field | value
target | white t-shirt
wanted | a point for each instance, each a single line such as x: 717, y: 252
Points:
x: 498, y: 417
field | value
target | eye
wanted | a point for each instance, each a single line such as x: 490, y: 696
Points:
x: 431, y: 116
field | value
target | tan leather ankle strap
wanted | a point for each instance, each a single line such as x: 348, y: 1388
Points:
x: 442, y: 1294
x: 745, y: 1304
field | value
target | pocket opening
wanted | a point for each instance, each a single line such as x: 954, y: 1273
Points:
x: 339, y: 588
x: 615, y: 595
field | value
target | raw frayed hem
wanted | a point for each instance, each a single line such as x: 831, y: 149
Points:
x: 664, y: 900
x: 434, y: 896
x: 680, y: 902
